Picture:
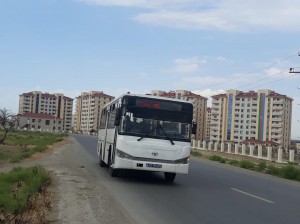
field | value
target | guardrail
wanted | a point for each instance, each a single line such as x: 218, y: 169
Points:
x: 269, y: 153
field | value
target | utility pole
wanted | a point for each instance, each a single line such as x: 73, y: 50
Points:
x: 292, y: 70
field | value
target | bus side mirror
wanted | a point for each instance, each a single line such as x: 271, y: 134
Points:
x: 118, y: 117
x: 194, y: 128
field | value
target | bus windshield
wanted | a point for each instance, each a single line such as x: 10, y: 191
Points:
x: 154, y: 128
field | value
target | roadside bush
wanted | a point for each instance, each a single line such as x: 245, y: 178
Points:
x: 273, y: 170
x: 40, y: 148
x: 27, y: 143
x: 234, y: 162
x: 215, y: 158
x: 222, y: 160
x: 59, y: 139
x: 290, y: 172
x: 18, y: 185
x: 3, y: 156
x: 261, y: 166
x: 196, y: 153
x: 247, y: 164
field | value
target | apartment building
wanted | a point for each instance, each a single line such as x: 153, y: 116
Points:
x: 208, y: 123
x: 55, y: 104
x: 200, y: 105
x: 39, y: 122
x: 264, y: 115
x: 88, y: 110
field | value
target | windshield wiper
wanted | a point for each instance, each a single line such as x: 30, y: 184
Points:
x: 169, y: 138
x: 139, y: 139
x: 159, y: 126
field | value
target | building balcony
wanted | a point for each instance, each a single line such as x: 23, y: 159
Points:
x: 214, y: 122
x: 277, y: 125
x: 276, y: 130
x: 213, y: 137
x: 276, y: 135
x: 277, y: 113
x: 277, y: 119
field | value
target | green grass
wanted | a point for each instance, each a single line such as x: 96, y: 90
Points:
x: 215, y: 158
x: 17, y: 186
x: 234, y: 162
x: 261, y: 166
x: 28, y: 143
x: 247, y: 164
x: 196, y: 153
x: 26, y: 138
x: 288, y: 171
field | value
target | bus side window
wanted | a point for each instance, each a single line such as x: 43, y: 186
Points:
x: 111, y: 119
x: 103, y: 119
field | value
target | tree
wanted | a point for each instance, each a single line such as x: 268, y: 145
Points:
x: 8, y: 121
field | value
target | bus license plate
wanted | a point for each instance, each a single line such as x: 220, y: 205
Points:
x: 151, y: 165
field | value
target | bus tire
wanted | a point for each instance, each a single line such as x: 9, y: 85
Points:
x: 101, y: 162
x: 113, y: 172
x: 170, y: 177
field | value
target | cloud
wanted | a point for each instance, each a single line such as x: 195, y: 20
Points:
x: 223, y: 59
x: 203, y: 80
x: 208, y: 93
x: 144, y: 3
x: 229, y: 15
x: 186, y: 65
x: 273, y: 72
x: 185, y: 20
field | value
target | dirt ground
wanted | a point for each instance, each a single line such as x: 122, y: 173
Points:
x: 75, y: 195
x: 36, y: 211
x: 39, y: 205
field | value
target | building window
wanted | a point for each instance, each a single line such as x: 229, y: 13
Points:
x: 47, y: 122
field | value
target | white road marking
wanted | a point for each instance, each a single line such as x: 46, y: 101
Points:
x: 253, y: 196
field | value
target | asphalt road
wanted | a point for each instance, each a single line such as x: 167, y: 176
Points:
x: 210, y: 193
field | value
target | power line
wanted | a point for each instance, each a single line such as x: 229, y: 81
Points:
x: 273, y: 81
x: 248, y: 74
x: 260, y: 80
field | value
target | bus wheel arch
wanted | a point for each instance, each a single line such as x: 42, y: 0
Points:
x: 101, y: 162
x: 112, y: 171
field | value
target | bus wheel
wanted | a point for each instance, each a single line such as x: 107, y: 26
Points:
x: 169, y: 177
x: 101, y: 162
x: 113, y: 172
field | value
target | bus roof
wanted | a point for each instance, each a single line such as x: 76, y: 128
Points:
x: 147, y: 96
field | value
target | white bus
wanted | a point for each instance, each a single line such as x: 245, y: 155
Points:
x: 149, y: 133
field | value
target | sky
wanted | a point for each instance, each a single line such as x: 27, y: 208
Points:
x: 116, y: 46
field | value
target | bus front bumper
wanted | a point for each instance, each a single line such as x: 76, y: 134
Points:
x: 122, y: 163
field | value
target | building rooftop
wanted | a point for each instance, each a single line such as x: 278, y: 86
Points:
x: 219, y: 96
x: 37, y: 115
x: 247, y: 94
x: 95, y: 94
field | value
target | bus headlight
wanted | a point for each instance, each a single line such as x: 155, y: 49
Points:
x: 183, y: 161
x: 124, y: 155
